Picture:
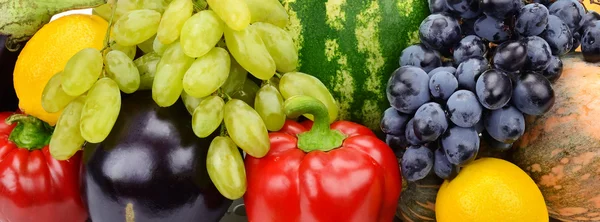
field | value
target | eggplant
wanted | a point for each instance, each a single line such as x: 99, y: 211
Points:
x: 151, y: 167
x: 8, y: 97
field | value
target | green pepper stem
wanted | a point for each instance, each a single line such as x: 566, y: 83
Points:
x: 30, y: 133
x: 320, y: 136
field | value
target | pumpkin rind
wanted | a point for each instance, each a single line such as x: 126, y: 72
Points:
x: 561, y: 148
x: 417, y: 200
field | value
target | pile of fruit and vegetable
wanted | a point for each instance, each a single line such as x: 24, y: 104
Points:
x: 300, y: 110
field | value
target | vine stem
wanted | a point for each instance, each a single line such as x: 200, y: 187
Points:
x: 110, y: 22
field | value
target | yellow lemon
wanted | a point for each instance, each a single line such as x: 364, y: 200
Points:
x: 490, y: 189
x: 46, y: 54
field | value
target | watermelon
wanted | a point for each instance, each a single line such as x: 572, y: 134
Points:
x: 353, y: 46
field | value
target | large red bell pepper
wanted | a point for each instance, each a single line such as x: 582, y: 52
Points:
x: 337, y: 173
x: 34, y: 187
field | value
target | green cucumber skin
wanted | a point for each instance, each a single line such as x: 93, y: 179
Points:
x: 354, y: 48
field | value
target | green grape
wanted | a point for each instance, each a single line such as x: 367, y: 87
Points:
x: 250, y: 51
x: 270, y: 11
x: 156, y: 5
x: 280, y: 45
x: 147, y: 46
x: 103, y: 11
x: 125, y: 6
x: 128, y: 50
x: 207, y: 73
x: 168, y: 80
x: 208, y: 116
x: 100, y: 111
x: 172, y: 20
x: 226, y: 168
x: 66, y: 139
x: 82, y: 71
x: 136, y: 27
x: 190, y: 102
x: 247, y: 93
x: 158, y: 47
x: 200, y: 33
x: 54, y: 98
x: 146, y: 66
x: 297, y: 83
x: 237, y: 77
x: 269, y: 105
x: 121, y: 69
x: 235, y: 13
x: 246, y: 128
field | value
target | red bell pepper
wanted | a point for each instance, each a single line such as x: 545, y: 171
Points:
x: 332, y: 173
x: 33, y: 185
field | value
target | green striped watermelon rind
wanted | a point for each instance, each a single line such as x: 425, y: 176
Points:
x: 353, y: 47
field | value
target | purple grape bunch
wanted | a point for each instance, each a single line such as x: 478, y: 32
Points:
x: 480, y: 68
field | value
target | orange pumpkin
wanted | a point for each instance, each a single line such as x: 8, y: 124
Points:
x: 561, y: 149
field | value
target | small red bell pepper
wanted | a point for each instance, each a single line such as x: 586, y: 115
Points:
x: 33, y: 185
x: 337, y: 173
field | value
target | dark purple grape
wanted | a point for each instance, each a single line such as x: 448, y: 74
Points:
x: 571, y: 12
x: 449, y: 69
x: 558, y: 36
x: 442, y: 167
x: 494, y: 89
x: 510, y: 56
x: 396, y: 142
x: 468, y: 72
x: 461, y: 145
x: 420, y: 56
x: 554, y: 69
x: 393, y: 122
x: 429, y: 122
x: 416, y: 163
x: 590, y: 42
x: 576, y: 41
x: 466, y: 9
x: 538, y: 53
x: 506, y: 124
x: 438, y: 6
x: 532, y: 19
x: 410, y: 134
x: 442, y: 84
x: 439, y: 31
x: 408, y: 89
x: 468, y: 47
x: 500, y: 9
x: 588, y: 18
x: 495, y: 144
x: 464, y: 108
x: 533, y: 94
x: 468, y: 26
x: 492, y: 29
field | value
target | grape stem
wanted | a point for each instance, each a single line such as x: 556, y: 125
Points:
x: 30, y: 133
x: 320, y: 136
x: 223, y: 133
x: 110, y: 23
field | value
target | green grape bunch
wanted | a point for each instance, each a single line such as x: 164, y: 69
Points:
x: 230, y: 61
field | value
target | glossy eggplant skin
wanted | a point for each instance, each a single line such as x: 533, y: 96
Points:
x: 151, y: 167
x: 8, y: 97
